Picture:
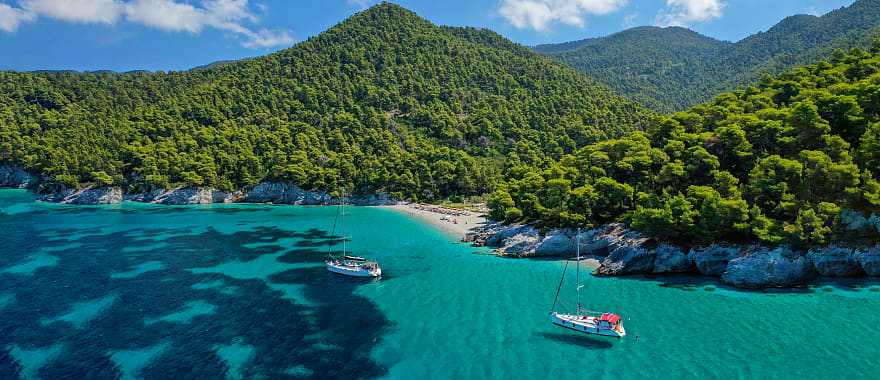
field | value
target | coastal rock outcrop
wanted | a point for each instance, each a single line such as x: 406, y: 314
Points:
x: 623, y: 251
x: 630, y: 257
x: 627, y: 251
x: 87, y: 196
x: 836, y: 261
x: 556, y: 243
x: 875, y: 221
x: 869, y: 261
x: 284, y: 193
x: 780, y: 267
x: 184, y: 196
x: 713, y: 260
x: 522, y: 244
x: 527, y: 241
x: 605, y: 239
x: 670, y: 258
x: 377, y: 199
x: 856, y: 221
x: 12, y: 176
x: 146, y: 197
x: 498, y: 233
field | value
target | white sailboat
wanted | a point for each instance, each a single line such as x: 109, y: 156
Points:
x: 585, y: 321
x: 354, y: 266
x: 346, y: 264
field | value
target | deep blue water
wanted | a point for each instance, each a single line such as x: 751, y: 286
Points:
x: 239, y: 291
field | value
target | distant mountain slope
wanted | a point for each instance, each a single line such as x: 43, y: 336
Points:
x: 670, y: 69
x: 651, y: 65
x: 644, y: 35
x: 383, y: 101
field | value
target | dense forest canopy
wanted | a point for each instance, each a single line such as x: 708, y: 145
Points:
x: 672, y: 69
x: 385, y: 101
x: 779, y: 162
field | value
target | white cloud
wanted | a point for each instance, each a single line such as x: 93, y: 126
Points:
x: 80, y: 11
x: 629, y: 20
x: 173, y: 16
x: 684, y: 12
x: 363, y: 4
x: 539, y: 14
x: 11, y: 18
x: 267, y: 38
x: 168, y: 15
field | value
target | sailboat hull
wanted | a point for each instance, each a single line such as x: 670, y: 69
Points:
x: 353, y: 271
x: 586, y: 325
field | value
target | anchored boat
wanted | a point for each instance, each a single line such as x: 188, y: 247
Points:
x: 585, y: 321
x: 349, y: 265
x: 354, y: 266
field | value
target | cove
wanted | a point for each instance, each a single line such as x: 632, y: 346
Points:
x: 239, y: 291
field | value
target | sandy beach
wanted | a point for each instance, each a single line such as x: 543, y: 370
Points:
x: 453, y: 221
x: 467, y: 221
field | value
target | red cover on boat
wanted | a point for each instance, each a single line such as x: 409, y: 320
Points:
x: 610, y: 318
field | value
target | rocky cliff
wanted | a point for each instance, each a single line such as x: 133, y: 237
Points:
x: 283, y: 193
x: 622, y: 252
x: 184, y: 196
x: 87, y: 196
x: 266, y: 192
x: 15, y: 177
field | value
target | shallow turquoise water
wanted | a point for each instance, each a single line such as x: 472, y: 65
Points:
x: 239, y: 291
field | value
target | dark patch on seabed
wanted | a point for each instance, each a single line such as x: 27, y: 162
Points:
x: 330, y: 335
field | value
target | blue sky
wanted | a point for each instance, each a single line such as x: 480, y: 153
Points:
x: 179, y: 34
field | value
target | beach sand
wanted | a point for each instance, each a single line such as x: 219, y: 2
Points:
x: 465, y: 223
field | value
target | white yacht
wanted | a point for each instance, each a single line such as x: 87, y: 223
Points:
x: 349, y: 265
x: 354, y: 266
x: 584, y: 321
x: 606, y: 324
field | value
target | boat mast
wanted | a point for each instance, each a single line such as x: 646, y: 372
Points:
x: 342, y: 219
x: 578, y: 270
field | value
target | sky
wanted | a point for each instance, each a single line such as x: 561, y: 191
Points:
x: 125, y: 35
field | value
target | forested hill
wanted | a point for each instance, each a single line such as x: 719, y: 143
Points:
x: 786, y: 161
x: 671, y: 69
x: 662, y: 68
x: 383, y: 101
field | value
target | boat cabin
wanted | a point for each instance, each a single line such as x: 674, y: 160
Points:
x: 608, y: 321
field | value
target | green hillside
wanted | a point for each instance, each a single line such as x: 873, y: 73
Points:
x: 383, y: 101
x: 778, y: 163
x: 662, y: 68
x: 671, y: 69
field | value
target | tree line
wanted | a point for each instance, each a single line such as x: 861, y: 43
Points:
x: 777, y: 162
x: 385, y: 101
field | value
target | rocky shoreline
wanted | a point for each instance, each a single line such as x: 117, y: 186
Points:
x: 621, y: 251
x: 14, y: 177
x: 266, y: 192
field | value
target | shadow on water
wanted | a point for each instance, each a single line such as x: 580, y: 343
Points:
x: 325, y: 331
x: 695, y: 282
x: 584, y: 341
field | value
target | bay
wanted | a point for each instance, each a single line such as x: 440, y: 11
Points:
x: 239, y: 291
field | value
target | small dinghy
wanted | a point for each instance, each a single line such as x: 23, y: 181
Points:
x: 349, y: 265
x: 584, y: 321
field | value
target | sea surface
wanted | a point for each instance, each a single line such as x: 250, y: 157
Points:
x: 239, y: 291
